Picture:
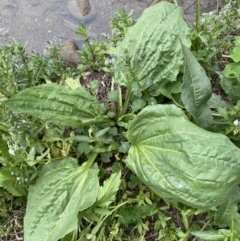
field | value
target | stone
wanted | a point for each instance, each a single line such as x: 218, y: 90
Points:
x: 70, y: 55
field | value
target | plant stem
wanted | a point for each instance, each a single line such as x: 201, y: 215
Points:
x: 119, y: 111
x: 92, y: 159
x: 198, y: 16
x: 125, y: 105
x: 232, y: 230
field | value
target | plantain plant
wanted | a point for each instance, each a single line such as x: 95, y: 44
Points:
x: 157, y: 122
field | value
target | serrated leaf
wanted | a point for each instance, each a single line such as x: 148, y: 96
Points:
x: 129, y: 214
x: 196, y: 90
x: 84, y: 147
x: 10, y: 183
x: 62, y: 190
x: 227, y: 212
x: 113, y: 95
x: 152, y: 54
x: 58, y: 104
x: 138, y: 104
x: 180, y: 161
x: 109, y: 189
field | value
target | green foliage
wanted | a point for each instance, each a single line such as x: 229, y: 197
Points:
x: 67, y: 182
x: 150, y: 57
x: 195, y: 94
x: 68, y: 107
x: 177, y: 163
x: 11, y: 183
x: 93, y: 54
x: 19, y: 70
x: 228, y: 210
x: 213, y: 34
x: 230, y: 81
x: 119, y: 25
x: 99, y: 170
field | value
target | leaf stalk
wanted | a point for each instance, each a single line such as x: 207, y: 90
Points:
x: 126, y: 102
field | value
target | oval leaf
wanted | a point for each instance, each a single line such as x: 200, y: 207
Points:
x: 180, y: 161
x: 62, y: 190
x: 196, y: 90
x: 58, y: 104
x: 151, y: 51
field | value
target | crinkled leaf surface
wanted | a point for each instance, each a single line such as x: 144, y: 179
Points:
x: 152, y: 47
x: 196, y: 90
x: 62, y: 190
x: 179, y: 160
x: 58, y: 104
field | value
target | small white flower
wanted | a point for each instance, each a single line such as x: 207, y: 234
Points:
x: 236, y: 122
x: 18, y: 178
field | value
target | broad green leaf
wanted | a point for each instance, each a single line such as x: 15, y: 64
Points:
x: 109, y: 189
x: 10, y: 183
x: 62, y: 190
x: 150, y: 53
x: 235, y: 55
x: 231, y: 87
x: 218, y: 235
x: 58, y: 104
x: 180, y: 161
x: 232, y: 70
x: 227, y: 212
x: 196, y: 90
